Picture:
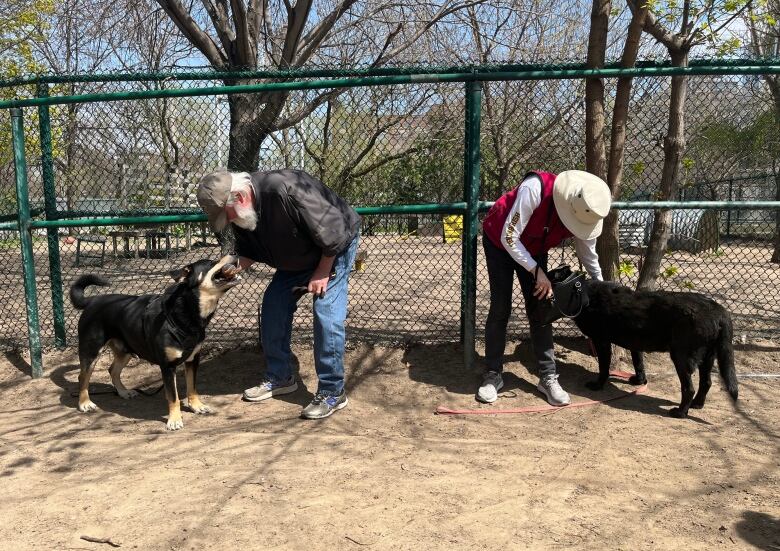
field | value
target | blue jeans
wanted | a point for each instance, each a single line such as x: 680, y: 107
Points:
x: 276, y: 317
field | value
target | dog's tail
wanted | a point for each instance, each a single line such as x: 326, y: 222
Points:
x: 726, y: 355
x: 77, y: 297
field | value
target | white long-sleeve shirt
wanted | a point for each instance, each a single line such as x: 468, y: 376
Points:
x: 529, y: 197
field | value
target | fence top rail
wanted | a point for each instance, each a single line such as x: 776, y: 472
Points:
x: 433, y: 208
x: 431, y: 76
x: 227, y: 75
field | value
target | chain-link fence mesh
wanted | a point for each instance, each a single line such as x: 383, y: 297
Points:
x: 392, y: 145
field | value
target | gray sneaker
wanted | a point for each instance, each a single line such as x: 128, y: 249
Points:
x: 550, y: 387
x: 267, y: 389
x: 324, y: 406
x: 492, y: 382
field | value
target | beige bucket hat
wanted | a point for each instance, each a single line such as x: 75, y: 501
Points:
x: 582, y: 201
x: 213, y: 193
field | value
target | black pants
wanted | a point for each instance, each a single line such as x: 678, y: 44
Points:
x: 502, y: 270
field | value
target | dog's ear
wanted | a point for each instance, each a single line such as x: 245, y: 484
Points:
x: 180, y: 274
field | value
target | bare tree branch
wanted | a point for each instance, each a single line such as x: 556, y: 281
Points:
x: 308, y: 108
x: 314, y: 39
x: 193, y: 32
x: 298, y: 16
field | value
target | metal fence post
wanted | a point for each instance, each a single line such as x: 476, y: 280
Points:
x: 728, y: 212
x: 471, y: 219
x: 50, y: 207
x: 28, y: 263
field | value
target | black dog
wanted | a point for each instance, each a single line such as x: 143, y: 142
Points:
x: 691, y: 327
x: 166, y: 329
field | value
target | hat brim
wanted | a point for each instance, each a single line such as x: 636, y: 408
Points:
x: 567, y: 184
x: 217, y: 219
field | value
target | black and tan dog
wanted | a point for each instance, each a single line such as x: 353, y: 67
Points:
x: 165, y: 330
x: 694, y: 329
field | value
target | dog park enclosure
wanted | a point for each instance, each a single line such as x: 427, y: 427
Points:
x: 121, y: 208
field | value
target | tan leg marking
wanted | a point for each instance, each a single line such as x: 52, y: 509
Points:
x: 194, y: 353
x: 172, y: 353
x: 193, y: 398
x: 85, y: 404
x: 121, y: 359
x: 175, y: 421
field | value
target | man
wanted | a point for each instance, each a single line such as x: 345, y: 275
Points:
x: 294, y: 223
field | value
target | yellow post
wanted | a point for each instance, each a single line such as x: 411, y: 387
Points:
x: 453, y: 228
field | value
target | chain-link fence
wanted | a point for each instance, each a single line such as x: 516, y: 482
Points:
x: 392, y: 145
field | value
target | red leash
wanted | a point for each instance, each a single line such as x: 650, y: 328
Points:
x: 623, y: 375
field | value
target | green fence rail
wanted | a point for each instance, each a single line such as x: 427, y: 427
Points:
x: 421, y: 78
x: 526, y: 68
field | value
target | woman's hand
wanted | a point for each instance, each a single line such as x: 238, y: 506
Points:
x: 543, y: 287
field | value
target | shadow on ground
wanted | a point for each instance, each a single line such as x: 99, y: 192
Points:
x: 424, y: 363
x: 760, y: 529
x: 222, y: 375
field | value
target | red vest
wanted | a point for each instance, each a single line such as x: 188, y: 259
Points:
x: 531, y: 238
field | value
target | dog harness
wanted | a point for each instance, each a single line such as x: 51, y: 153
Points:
x: 544, y: 229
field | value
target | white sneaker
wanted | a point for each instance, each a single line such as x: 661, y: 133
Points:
x: 550, y: 387
x: 267, y: 389
x: 491, y: 384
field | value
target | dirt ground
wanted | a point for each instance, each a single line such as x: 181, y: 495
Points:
x: 386, y: 473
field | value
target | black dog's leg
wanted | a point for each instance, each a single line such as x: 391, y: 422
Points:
x: 705, y: 380
x: 639, y: 377
x: 685, y: 366
x: 171, y: 395
x: 604, y: 353
x: 193, y: 398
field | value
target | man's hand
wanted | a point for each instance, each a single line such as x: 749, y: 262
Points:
x: 318, y: 284
x: 243, y: 264
x: 543, y: 287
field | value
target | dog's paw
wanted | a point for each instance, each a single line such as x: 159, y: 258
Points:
x: 594, y: 385
x: 126, y: 393
x: 200, y: 408
x: 87, y: 406
x: 174, y: 424
x: 677, y: 413
x: 696, y: 405
x: 637, y: 380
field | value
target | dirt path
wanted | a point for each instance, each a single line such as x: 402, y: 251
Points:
x: 385, y: 473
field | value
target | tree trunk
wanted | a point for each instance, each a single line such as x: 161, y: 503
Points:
x: 252, y: 118
x: 595, y: 148
x: 773, y: 82
x: 674, y: 147
x: 608, y: 244
x: 608, y: 247
x: 776, y: 253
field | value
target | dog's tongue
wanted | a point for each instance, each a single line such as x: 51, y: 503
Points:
x: 225, y: 274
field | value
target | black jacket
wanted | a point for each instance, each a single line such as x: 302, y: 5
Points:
x: 298, y: 220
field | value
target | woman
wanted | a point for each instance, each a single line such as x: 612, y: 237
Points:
x: 519, y: 230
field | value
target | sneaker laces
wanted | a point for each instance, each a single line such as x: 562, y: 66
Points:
x: 551, y: 382
x: 319, y: 398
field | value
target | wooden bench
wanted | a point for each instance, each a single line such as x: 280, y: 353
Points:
x: 93, y: 257
x: 126, y: 235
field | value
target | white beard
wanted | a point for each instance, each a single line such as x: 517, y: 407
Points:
x: 246, y: 218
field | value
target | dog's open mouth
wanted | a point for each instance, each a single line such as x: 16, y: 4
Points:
x: 227, y: 275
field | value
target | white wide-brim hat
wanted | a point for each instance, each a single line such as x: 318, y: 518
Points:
x: 582, y: 201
